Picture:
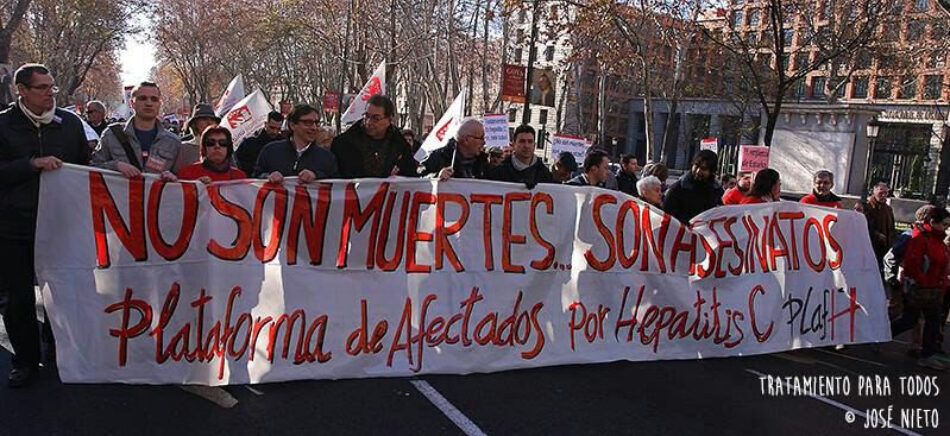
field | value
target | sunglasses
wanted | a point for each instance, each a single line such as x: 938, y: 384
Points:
x: 224, y: 143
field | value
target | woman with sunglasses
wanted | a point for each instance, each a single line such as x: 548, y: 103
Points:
x: 215, y: 165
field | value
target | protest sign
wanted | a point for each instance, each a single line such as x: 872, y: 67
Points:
x: 375, y: 85
x: 331, y: 101
x: 247, y: 116
x: 233, y: 94
x: 496, y: 130
x: 445, y: 129
x: 575, y: 145
x: 711, y: 144
x: 753, y: 158
x: 252, y: 282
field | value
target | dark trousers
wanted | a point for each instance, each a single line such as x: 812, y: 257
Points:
x: 19, y: 314
x: 929, y: 303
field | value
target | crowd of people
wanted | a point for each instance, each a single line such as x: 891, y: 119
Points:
x: 36, y: 136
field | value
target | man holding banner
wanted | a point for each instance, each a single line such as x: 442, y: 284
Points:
x: 522, y: 166
x: 463, y: 157
x: 35, y: 136
x: 374, y: 147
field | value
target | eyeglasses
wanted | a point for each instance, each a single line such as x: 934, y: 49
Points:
x: 308, y: 123
x: 374, y: 118
x: 44, y: 88
x: 480, y: 138
x: 216, y: 142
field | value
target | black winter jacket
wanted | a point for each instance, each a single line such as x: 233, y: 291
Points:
x: 689, y: 197
x: 250, y: 148
x: 531, y: 176
x: 349, y: 156
x: 441, y: 158
x: 281, y: 156
x: 21, y: 141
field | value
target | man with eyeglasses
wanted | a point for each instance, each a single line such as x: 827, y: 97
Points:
x: 299, y: 155
x: 142, y: 144
x: 35, y: 136
x: 373, y: 147
x: 96, y: 116
x: 463, y: 157
x: 697, y: 191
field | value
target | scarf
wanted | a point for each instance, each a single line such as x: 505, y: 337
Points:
x: 37, y: 120
x: 520, y: 166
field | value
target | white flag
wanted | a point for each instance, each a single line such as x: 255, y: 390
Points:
x: 375, y: 85
x: 444, y: 129
x: 247, y: 116
x: 232, y: 95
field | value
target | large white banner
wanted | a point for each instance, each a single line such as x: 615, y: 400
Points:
x: 248, y: 282
x: 375, y: 85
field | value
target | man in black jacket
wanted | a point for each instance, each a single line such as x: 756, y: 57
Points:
x: 251, y: 146
x: 463, y: 157
x: 627, y: 176
x: 298, y: 155
x: 373, y: 147
x: 697, y: 191
x: 34, y: 137
x: 596, y: 168
x: 522, y: 166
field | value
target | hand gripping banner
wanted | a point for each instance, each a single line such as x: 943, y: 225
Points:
x: 249, y: 282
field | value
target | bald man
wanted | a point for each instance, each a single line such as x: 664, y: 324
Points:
x: 463, y: 157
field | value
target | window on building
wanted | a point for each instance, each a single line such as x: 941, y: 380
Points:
x: 818, y: 86
x: 798, y: 89
x: 788, y: 37
x: 528, y: 115
x: 882, y: 89
x: 754, y: 17
x: 933, y: 87
x: 549, y: 53
x: 785, y: 62
x: 915, y: 31
x: 522, y: 14
x: 908, y: 88
x: 543, y: 116
x: 937, y: 59
x: 752, y: 39
x: 736, y: 18
x: 859, y: 87
x: 518, y: 55
x: 512, y: 115
x: 921, y: 5
x: 801, y: 61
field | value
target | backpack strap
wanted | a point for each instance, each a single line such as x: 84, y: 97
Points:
x: 119, y: 133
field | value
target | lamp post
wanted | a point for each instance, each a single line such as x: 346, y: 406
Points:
x: 873, y: 128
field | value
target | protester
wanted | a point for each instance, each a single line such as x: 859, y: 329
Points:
x: 297, y: 155
x: 596, y: 167
x: 880, y: 219
x: 463, y: 156
x: 373, y: 147
x: 728, y: 181
x: 141, y: 144
x: 522, y: 166
x: 202, y: 117
x: 735, y: 194
x: 35, y: 136
x: 627, y: 176
x: 650, y: 190
x: 893, y: 259
x: 410, y: 138
x: 697, y: 191
x: 564, y: 167
x: 251, y: 146
x: 658, y: 169
x: 96, y: 116
x: 821, y: 194
x: 215, y: 166
x: 925, y: 268
x: 766, y: 188
x: 495, y: 157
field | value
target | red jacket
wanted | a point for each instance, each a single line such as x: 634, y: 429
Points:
x: 831, y: 200
x: 751, y: 200
x: 926, y: 244
x: 198, y: 170
x: 732, y: 196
